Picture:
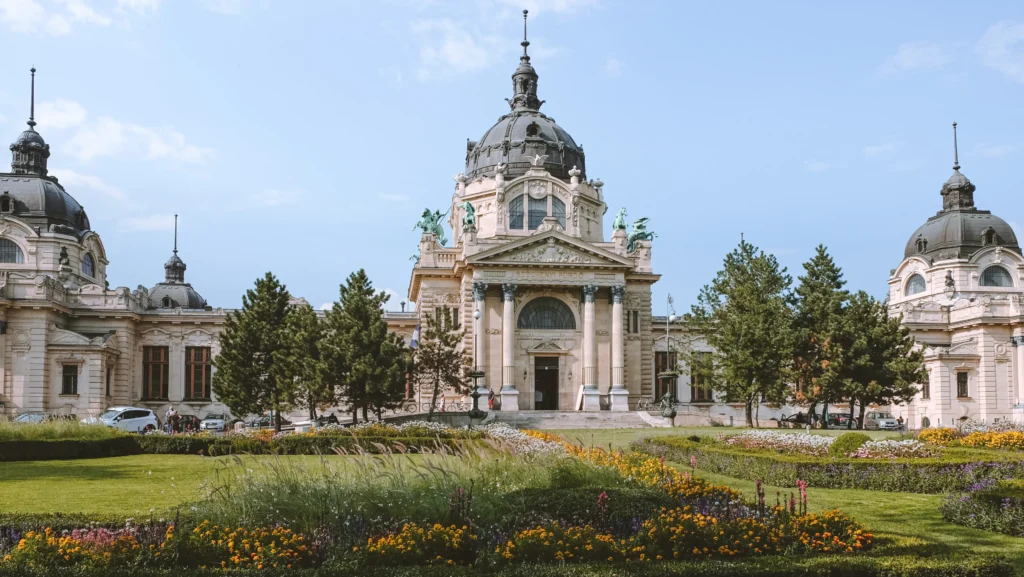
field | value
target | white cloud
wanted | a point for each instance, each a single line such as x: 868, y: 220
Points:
x: 30, y: 16
x: 455, y: 49
x: 394, y: 197
x: 274, y: 197
x: 326, y: 306
x: 22, y: 15
x: 915, y: 55
x: 1000, y: 49
x: 82, y: 12
x: 613, y: 67
x: 105, y: 137
x: 148, y: 223
x: 57, y: 25
x: 139, y: 6
x: 60, y: 114
x: 879, y: 149
x: 816, y: 165
x: 165, y: 142
x: 70, y: 178
x: 222, y: 6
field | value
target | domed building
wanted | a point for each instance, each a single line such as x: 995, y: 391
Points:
x: 70, y: 344
x: 558, y: 317
x: 959, y: 291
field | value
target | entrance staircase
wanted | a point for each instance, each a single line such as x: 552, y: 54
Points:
x: 574, y: 419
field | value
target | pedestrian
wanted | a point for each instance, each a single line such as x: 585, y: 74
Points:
x: 899, y: 422
x: 167, y: 420
x: 490, y: 400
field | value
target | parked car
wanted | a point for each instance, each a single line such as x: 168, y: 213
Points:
x: 840, y: 421
x: 219, y: 422
x: 131, y: 419
x: 881, y: 420
x: 264, y: 421
x: 40, y: 417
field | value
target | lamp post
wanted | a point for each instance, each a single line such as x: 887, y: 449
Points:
x: 476, y: 374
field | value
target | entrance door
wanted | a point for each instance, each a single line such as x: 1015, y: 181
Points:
x: 545, y: 383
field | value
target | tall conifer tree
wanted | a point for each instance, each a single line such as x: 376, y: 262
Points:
x: 745, y: 317
x: 818, y: 305
x: 301, y: 362
x: 248, y: 379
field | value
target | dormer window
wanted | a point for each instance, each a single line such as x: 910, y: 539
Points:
x: 6, y: 203
x: 922, y: 244
x: 88, y: 265
x: 988, y: 237
x: 537, y: 210
x: 533, y: 129
x: 167, y: 302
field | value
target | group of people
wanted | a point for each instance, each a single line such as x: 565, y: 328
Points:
x: 174, y: 422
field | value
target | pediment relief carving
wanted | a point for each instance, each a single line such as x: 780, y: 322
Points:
x: 62, y: 337
x: 552, y: 247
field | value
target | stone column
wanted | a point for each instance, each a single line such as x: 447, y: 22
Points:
x: 509, y: 394
x: 480, y: 336
x: 1018, y: 368
x: 591, y: 395
x: 619, y: 394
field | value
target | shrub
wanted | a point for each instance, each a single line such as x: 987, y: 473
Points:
x: 847, y: 443
x: 990, y: 506
x: 58, y: 429
x: 955, y: 469
x: 61, y: 449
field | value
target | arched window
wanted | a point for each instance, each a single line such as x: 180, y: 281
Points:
x: 996, y: 276
x: 88, y: 265
x: 558, y: 211
x: 925, y: 422
x: 915, y: 285
x: 515, y: 213
x: 538, y: 210
x: 10, y: 252
x: 546, y: 313
x: 5, y: 202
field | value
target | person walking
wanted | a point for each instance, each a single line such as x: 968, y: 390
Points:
x: 168, y: 417
x: 899, y: 422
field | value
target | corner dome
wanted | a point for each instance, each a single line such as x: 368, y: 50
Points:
x: 524, y: 133
x: 174, y: 295
x: 959, y: 230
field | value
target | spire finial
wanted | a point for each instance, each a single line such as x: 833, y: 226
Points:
x: 525, y: 42
x: 956, y: 154
x: 175, y: 234
x: 32, y: 103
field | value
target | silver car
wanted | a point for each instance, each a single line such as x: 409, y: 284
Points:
x: 881, y: 420
x: 215, y: 422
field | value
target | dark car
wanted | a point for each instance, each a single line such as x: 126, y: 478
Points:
x: 264, y: 422
x: 840, y: 421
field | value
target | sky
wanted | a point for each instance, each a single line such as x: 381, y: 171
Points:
x: 305, y: 137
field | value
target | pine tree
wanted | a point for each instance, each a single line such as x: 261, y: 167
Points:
x: 247, y: 378
x: 301, y: 362
x: 351, y: 350
x: 882, y: 365
x: 818, y: 305
x: 395, y: 363
x: 440, y: 363
x: 746, y: 320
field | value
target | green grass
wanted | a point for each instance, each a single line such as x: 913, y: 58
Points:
x: 620, y: 438
x: 53, y: 430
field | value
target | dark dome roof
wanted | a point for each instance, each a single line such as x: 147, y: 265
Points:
x: 42, y: 201
x: 520, y: 136
x: 177, y: 295
x: 524, y: 133
x: 31, y: 138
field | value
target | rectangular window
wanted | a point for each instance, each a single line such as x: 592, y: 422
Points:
x: 110, y: 371
x: 663, y: 361
x: 635, y: 322
x: 69, y: 380
x: 198, y: 371
x: 538, y: 210
x: 155, y: 370
x: 558, y: 211
x: 961, y: 384
x: 926, y: 390
x: 515, y: 213
x: 700, y: 392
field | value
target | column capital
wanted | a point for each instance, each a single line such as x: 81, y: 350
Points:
x: 508, y: 291
x: 618, y: 293
x: 1017, y: 341
x: 479, y: 290
x: 589, y: 290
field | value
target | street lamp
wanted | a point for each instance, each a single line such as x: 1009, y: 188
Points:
x: 668, y: 400
x: 476, y: 374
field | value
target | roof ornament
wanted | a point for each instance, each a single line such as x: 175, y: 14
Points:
x: 956, y: 154
x: 174, y: 268
x: 525, y: 42
x: 958, y: 192
x: 30, y: 151
x: 175, y: 234
x: 32, y: 102
x: 524, y: 79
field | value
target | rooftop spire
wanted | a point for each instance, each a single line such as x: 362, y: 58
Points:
x: 525, y: 42
x: 175, y: 234
x: 174, y: 268
x: 956, y: 155
x: 32, y: 102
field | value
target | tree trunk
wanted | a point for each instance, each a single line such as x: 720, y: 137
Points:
x: 748, y: 410
x: 860, y: 423
x: 355, y: 416
x: 757, y: 415
x: 849, y: 423
x: 433, y: 397
x: 365, y: 417
x: 277, y: 413
x: 810, y: 411
x: 824, y: 415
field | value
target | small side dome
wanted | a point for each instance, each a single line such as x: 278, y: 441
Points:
x: 174, y: 292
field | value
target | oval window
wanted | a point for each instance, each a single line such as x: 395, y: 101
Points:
x: 915, y: 285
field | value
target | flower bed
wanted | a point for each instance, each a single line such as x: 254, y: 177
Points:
x: 788, y: 443
x: 989, y: 505
x: 891, y: 449
x: 1004, y: 435
x: 952, y: 470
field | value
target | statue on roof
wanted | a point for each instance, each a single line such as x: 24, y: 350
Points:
x: 639, y: 232
x: 620, y: 220
x: 430, y: 223
x: 468, y: 219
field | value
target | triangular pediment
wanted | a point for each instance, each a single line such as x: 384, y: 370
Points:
x: 551, y: 248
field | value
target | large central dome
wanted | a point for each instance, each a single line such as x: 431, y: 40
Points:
x: 525, y: 133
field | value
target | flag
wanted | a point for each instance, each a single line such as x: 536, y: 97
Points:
x: 415, y: 342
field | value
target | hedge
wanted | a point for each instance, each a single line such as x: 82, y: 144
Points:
x: 955, y: 470
x: 902, y: 566
x: 214, y: 446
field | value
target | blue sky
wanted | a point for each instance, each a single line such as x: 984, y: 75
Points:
x: 305, y: 137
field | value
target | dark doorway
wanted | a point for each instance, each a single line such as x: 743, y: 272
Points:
x: 545, y: 383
